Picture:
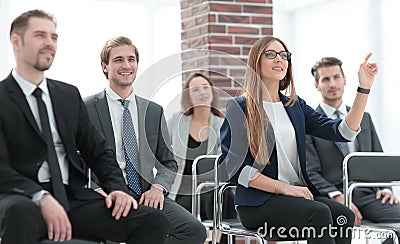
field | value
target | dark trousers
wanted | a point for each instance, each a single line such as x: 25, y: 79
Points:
x: 206, y: 207
x: 184, y: 227
x: 290, y: 218
x: 21, y: 222
x: 373, y: 210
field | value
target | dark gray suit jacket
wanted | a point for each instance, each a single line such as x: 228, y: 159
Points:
x: 324, y: 159
x: 154, y: 141
x: 23, y: 150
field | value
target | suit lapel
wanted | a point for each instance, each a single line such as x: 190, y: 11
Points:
x: 183, y: 131
x: 319, y: 109
x: 105, y: 118
x: 58, y: 104
x: 18, y: 96
x: 297, y: 119
x: 141, y: 117
x: 145, y: 142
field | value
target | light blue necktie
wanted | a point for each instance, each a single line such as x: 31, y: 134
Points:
x: 343, y: 146
x: 130, y: 149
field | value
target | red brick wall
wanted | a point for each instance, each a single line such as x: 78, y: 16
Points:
x: 217, y: 36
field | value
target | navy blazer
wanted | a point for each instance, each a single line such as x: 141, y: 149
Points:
x: 236, y: 150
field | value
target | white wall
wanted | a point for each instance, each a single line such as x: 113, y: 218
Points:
x: 348, y: 30
x: 85, y: 25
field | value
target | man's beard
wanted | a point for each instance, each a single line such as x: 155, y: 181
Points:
x: 120, y: 83
x: 42, y: 66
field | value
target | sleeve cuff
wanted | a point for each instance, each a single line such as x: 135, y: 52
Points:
x: 165, y: 192
x: 333, y: 194
x: 38, y: 195
x: 387, y: 190
x: 247, y: 174
x: 346, y: 132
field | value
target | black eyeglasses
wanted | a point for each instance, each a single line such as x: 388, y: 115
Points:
x: 271, y: 54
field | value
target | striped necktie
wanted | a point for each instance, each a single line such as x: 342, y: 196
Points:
x: 343, y: 146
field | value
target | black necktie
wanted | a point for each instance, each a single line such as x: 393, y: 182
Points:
x: 55, y: 172
x: 343, y: 146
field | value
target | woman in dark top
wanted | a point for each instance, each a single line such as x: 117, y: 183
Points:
x: 195, y: 131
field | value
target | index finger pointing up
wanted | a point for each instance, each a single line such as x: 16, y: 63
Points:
x: 367, y: 57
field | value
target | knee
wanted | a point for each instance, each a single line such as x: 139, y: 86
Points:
x: 322, y: 214
x: 21, y: 210
x: 198, y: 231
x: 346, y: 217
x: 161, y: 222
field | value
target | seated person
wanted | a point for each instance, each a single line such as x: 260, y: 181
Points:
x: 325, y: 158
x: 263, y: 144
x: 130, y: 123
x: 43, y: 125
x: 195, y: 132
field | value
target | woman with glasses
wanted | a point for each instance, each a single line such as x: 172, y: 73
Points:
x: 263, y: 143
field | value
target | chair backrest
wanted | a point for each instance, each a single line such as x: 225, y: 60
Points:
x: 207, y: 171
x: 369, y: 169
x: 204, y: 166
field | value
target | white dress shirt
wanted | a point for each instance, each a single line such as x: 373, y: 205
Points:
x: 116, y: 111
x: 28, y: 88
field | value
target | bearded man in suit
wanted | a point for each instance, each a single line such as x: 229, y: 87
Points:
x: 45, y: 131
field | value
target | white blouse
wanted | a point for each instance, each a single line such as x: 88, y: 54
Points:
x: 289, y: 170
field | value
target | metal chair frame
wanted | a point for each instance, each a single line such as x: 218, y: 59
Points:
x: 215, y: 182
x: 230, y: 227
x: 380, y: 176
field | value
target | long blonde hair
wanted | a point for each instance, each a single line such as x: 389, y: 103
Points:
x: 256, y: 116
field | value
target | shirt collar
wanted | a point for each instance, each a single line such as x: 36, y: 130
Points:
x: 329, y: 110
x: 115, y: 97
x: 28, y: 87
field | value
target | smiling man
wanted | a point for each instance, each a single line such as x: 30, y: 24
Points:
x: 43, y: 125
x: 136, y: 128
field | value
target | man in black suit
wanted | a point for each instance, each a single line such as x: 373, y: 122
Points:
x: 107, y: 109
x: 325, y: 158
x: 44, y: 125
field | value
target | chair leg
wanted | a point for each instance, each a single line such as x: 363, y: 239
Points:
x: 261, y: 240
x: 230, y: 239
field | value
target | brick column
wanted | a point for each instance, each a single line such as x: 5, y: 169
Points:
x: 217, y: 36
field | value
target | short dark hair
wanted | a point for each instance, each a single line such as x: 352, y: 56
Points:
x: 116, y: 42
x: 325, y: 62
x: 20, y: 24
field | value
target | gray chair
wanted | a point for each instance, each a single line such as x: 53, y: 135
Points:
x: 371, y: 169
